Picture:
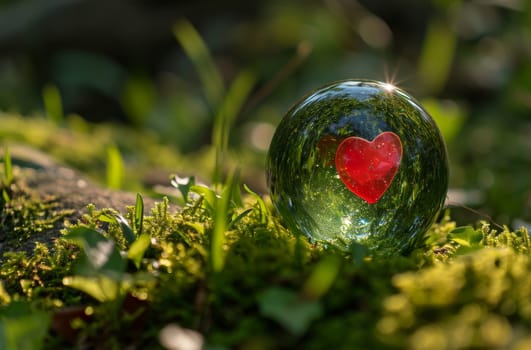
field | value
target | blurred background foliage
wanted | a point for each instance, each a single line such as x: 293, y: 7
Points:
x: 150, y: 79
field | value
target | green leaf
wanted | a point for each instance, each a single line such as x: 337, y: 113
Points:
x: 101, y: 254
x: 101, y: 288
x: 22, y: 328
x: 322, y: 277
x: 208, y: 194
x: 468, y: 238
x: 285, y: 307
x: 115, y: 218
x: 5, y: 195
x: 183, y: 184
x: 129, y: 235
x: 5, y: 298
x: 138, y: 99
x: 138, y: 249
x: 448, y: 116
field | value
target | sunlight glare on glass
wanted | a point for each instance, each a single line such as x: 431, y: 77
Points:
x: 389, y: 87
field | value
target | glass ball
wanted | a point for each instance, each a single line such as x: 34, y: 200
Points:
x: 358, y: 161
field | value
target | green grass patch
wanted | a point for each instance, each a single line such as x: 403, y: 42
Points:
x: 247, y: 281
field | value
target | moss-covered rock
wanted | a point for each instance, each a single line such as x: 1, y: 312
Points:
x: 125, y: 282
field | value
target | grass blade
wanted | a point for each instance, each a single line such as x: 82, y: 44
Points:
x: 8, y: 167
x: 115, y: 168
x: 261, y: 204
x: 196, y: 49
x: 53, y: 104
x: 138, y: 249
x: 437, y: 56
x: 221, y: 223
x: 129, y: 235
x: 231, y: 106
x: 138, y: 220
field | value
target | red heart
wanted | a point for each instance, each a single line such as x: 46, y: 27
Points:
x: 368, y: 168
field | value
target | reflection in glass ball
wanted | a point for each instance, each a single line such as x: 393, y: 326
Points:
x: 358, y: 161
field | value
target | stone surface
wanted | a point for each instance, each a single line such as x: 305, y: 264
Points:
x: 66, y: 188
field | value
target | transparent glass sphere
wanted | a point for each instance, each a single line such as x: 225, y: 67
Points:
x: 358, y: 161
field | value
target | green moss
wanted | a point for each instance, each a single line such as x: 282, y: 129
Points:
x: 476, y: 301
x: 464, y: 288
x: 22, y: 219
x: 84, y: 146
